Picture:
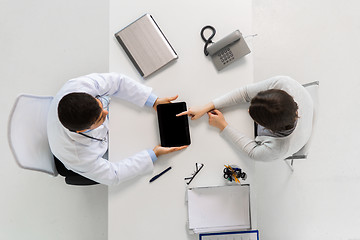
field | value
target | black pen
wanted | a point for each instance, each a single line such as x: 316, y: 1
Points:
x: 157, y: 176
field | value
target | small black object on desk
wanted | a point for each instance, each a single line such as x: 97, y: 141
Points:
x: 157, y: 176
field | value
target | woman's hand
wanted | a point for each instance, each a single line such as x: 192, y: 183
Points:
x: 216, y: 119
x: 197, y: 112
x: 164, y: 100
x: 159, y: 150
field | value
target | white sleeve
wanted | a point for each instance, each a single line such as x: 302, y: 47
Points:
x: 113, y: 173
x: 110, y: 84
x: 265, y: 150
x: 246, y: 93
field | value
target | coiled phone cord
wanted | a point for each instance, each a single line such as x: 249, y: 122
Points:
x: 207, y: 41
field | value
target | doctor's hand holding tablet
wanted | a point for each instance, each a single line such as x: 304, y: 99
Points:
x: 166, y: 148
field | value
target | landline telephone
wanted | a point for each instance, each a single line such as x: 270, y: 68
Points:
x: 225, y: 51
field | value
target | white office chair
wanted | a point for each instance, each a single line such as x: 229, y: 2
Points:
x: 313, y: 89
x: 27, y: 134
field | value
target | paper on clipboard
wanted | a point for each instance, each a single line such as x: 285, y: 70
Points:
x: 221, y: 208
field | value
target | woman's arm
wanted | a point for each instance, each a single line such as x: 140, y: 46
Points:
x: 246, y: 93
x: 197, y: 112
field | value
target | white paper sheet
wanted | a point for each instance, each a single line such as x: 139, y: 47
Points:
x: 222, y: 207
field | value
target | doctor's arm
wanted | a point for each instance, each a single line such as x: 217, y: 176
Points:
x: 119, y: 85
x: 116, y: 85
x: 163, y: 101
x: 114, y: 173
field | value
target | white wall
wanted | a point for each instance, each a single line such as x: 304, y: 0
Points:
x: 43, y: 44
x: 313, y: 40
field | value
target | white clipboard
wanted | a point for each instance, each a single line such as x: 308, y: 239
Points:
x: 220, y: 208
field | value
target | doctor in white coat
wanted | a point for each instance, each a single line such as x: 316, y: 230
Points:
x: 81, y: 146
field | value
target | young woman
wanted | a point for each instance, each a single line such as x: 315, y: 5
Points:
x: 282, y: 109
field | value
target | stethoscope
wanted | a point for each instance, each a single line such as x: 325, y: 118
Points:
x: 91, y: 137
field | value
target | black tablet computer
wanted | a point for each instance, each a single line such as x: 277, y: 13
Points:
x: 174, y: 131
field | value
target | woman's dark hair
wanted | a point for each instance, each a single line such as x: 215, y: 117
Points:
x: 274, y: 109
x: 78, y: 111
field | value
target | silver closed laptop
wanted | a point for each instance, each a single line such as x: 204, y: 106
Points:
x: 146, y: 45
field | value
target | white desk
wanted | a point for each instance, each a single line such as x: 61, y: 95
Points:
x: 142, y: 210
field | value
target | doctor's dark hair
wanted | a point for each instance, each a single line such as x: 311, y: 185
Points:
x: 274, y: 109
x: 78, y: 111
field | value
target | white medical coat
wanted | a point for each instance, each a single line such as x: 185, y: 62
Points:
x: 84, y: 155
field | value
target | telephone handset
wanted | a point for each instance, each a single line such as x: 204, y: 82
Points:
x: 226, y: 50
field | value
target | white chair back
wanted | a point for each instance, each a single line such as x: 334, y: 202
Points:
x: 27, y: 133
x: 313, y: 89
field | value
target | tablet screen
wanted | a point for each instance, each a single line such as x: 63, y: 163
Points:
x: 174, y: 131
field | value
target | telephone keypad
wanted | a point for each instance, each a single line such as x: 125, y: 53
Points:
x: 226, y: 55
